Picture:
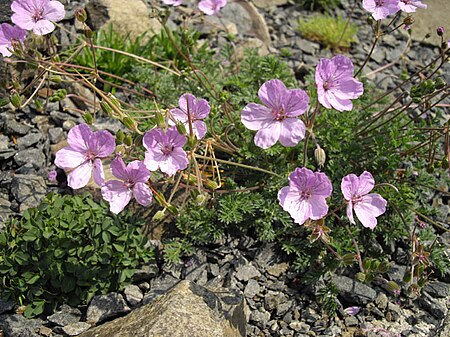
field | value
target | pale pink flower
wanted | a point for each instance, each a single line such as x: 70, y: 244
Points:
x: 367, y: 206
x: 172, y: 2
x: 133, y: 178
x: 37, y: 15
x: 211, y: 7
x: 380, y: 9
x: 335, y: 83
x: 52, y: 175
x: 198, y: 110
x: 8, y: 34
x: 305, y: 197
x: 410, y: 6
x: 83, y: 155
x: 165, y: 151
x: 351, y: 311
x: 277, y: 120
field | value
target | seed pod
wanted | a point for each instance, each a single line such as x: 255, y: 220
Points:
x: 120, y: 136
x: 106, y: 108
x: 15, y: 100
x: 160, y: 120
x: 128, y: 140
x: 114, y: 100
x: 320, y: 156
x: 81, y: 15
x: 88, y: 32
x: 181, y: 128
x: 444, y: 163
x: 159, y: 215
x: 212, y: 185
x: 39, y: 105
x: 88, y: 117
x: 129, y: 123
x: 200, y: 200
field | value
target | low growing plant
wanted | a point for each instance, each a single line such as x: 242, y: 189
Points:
x: 67, y: 250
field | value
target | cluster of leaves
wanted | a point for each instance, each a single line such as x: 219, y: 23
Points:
x: 333, y: 33
x: 67, y: 250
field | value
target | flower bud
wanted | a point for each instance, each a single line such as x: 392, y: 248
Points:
x: 15, y: 100
x: 55, y: 78
x: 440, y: 31
x: 212, y: 185
x: 200, y: 199
x: 128, y: 140
x: 392, y: 286
x: 361, y: 277
x: 88, y: 118
x: 348, y: 259
x: 3, y: 102
x: 181, y: 128
x: 81, y: 15
x: 409, y: 20
x: 120, y: 136
x: 444, y: 163
x: 129, y: 123
x: 88, y: 33
x: 160, y: 120
x: 320, y: 156
x: 440, y: 83
x: 159, y: 215
x: 369, y: 21
x: 39, y: 105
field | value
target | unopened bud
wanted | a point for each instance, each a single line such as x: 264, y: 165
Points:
x: 113, y: 99
x: 212, y: 185
x: 200, y: 200
x: 55, y: 78
x: 159, y: 215
x: 3, y: 102
x: 88, y: 117
x: 160, y: 120
x: 106, y: 108
x: 361, y: 277
x: 129, y: 123
x: 39, y: 105
x: 439, y: 83
x: 444, y: 163
x: 440, y: 31
x: 392, y: 286
x: 88, y: 33
x: 15, y: 100
x: 369, y: 21
x: 120, y: 136
x: 320, y: 156
x: 128, y: 140
x: 348, y: 259
x: 409, y: 20
x: 81, y: 15
x: 181, y: 128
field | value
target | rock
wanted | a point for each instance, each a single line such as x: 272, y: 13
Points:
x: 278, y: 269
x: 74, y: 329
x: 246, y: 272
x: 29, y: 139
x: 106, y: 306
x: 186, y: 310
x: 273, y: 299
x: 427, y: 20
x: 353, y: 291
x: 252, y: 288
x: 44, y: 331
x: 118, y: 13
x: 5, y: 305
x: 28, y: 189
x: 433, y: 306
x: 65, y: 316
x: 5, y: 10
x: 12, y: 127
x: 146, y: 273
x: 260, y: 317
x: 34, y: 157
x: 19, y: 326
x: 4, y: 142
x: 55, y: 135
x: 265, y: 4
x: 437, y: 289
x: 381, y: 301
x: 133, y: 294
x: 5, y: 211
x: 159, y: 286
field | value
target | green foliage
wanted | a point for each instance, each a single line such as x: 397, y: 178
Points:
x: 67, y: 250
x: 319, y: 4
x: 333, y: 33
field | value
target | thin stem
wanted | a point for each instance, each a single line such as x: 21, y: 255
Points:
x: 377, y: 36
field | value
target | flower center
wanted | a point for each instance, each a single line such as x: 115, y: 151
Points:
x: 379, y: 3
x: 357, y: 199
x: 305, y: 195
x: 90, y: 155
x: 129, y: 184
x: 279, y: 115
x: 38, y: 15
x: 167, y: 149
x: 327, y: 85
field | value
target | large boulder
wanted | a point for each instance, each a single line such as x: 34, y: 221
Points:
x: 186, y: 310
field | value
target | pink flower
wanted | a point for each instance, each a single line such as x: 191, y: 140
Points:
x: 305, y: 197
x: 277, y: 120
x: 367, y: 206
x: 410, y: 6
x: 211, y: 7
x: 83, y: 155
x: 52, y: 175
x: 172, y: 2
x: 198, y: 110
x: 37, y: 15
x: 335, y: 83
x: 133, y: 183
x: 9, y: 33
x: 165, y: 151
x: 380, y: 9
x: 351, y: 311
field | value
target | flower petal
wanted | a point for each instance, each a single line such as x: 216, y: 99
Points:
x: 54, y: 11
x: 99, y: 173
x: 68, y: 158
x: 272, y: 93
x: 366, y: 183
x: 43, y: 27
x: 349, y: 186
x: 290, y: 202
x: 350, y: 212
x: 292, y: 131
x: 256, y: 116
x: 102, y: 143
x: 143, y: 194
x: 372, y: 206
x: 138, y: 172
x: 318, y: 207
x: 268, y: 136
x: 199, y: 128
x: 118, y: 169
x: 117, y: 194
x: 80, y: 176
x: 78, y: 137
x: 296, y: 102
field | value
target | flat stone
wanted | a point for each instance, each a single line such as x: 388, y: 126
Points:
x: 28, y: 189
x: 186, y: 310
x: 246, y: 272
x: 15, y: 128
x: 74, y: 329
x: 433, y: 306
x: 4, y: 142
x: 106, y: 306
x: 29, y: 139
x: 159, y: 287
x: 381, y: 301
x: 252, y: 288
x: 34, y: 157
x: 19, y: 326
x: 437, y: 289
x: 55, y: 135
x: 278, y: 269
x: 353, y: 291
x: 65, y: 316
x: 133, y: 294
